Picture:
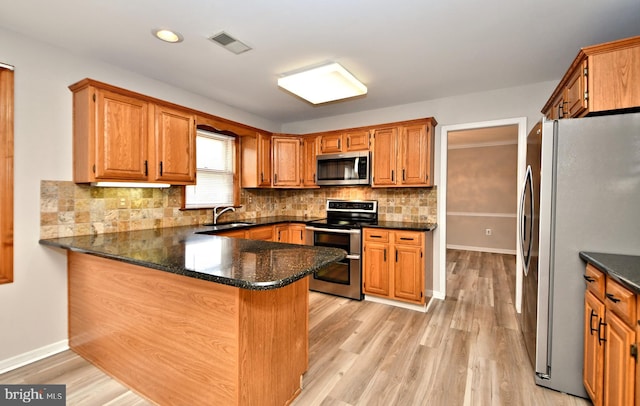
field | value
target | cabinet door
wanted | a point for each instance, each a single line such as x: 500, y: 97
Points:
x: 576, y: 89
x: 375, y: 269
x: 384, y: 156
x: 264, y: 159
x: 357, y: 140
x: 308, y: 164
x: 297, y: 234
x: 415, y: 154
x: 286, y: 161
x: 122, y: 134
x: 174, y: 146
x: 592, y: 373
x: 619, y: 365
x: 282, y: 233
x: 408, y: 273
x: 331, y: 143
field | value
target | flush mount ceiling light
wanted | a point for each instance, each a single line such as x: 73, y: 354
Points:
x: 167, y: 35
x: 323, y: 84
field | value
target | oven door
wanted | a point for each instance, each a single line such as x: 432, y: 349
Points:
x: 344, y: 277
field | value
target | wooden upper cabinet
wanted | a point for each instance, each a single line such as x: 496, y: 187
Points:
x: 602, y: 78
x: 350, y: 140
x: 384, y: 156
x: 403, y: 154
x: 286, y: 161
x: 308, y: 160
x: 255, y: 152
x: 357, y: 140
x: 331, y: 143
x: 416, y: 147
x: 120, y: 135
x: 174, y: 146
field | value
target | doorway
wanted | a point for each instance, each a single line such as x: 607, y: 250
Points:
x: 470, y: 134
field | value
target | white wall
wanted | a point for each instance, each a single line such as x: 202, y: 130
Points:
x: 33, y: 309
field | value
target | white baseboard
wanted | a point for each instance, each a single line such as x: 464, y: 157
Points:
x: 438, y: 295
x: 26, y: 358
x: 481, y: 249
x: 396, y: 303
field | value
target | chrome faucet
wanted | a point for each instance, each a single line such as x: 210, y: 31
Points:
x: 217, y: 213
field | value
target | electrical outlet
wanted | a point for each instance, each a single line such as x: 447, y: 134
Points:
x: 488, y: 231
x: 123, y: 202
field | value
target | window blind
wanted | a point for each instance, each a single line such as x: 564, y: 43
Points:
x: 215, y: 163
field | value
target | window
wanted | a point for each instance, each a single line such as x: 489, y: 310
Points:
x: 215, y: 171
x: 6, y: 173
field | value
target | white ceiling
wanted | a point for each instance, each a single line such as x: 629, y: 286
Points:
x: 404, y: 51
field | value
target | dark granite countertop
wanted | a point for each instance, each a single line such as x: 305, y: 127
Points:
x: 405, y: 225
x: 247, y: 264
x: 262, y: 221
x: 623, y: 268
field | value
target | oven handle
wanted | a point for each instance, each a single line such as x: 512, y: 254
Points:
x: 333, y: 230
x: 352, y: 256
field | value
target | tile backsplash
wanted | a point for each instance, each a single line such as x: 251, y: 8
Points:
x: 68, y: 209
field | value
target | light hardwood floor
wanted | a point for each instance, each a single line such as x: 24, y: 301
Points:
x: 467, y: 350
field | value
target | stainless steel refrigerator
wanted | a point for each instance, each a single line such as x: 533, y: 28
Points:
x: 581, y: 193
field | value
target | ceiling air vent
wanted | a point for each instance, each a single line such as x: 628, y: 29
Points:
x: 228, y: 42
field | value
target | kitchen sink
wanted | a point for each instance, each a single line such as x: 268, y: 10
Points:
x: 224, y: 226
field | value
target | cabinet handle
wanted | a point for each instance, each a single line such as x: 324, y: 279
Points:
x: 275, y: 177
x: 146, y: 168
x: 588, y: 279
x: 592, y: 330
x: 314, y: 178
x: 392, y: 176
x: 300, y: 235
x: 612, y: 298
x: 375, y: 236
x: 160, y: 168
x: 396, y: 255
x: 402, y: 174
x: 348, y: 142
x: 560, y: 111
x: 601, y: 339
x: 278, y: 235
x: 406, y: 238
x: 261, y: 177
x: 385, y: 255
x: 339, y: 144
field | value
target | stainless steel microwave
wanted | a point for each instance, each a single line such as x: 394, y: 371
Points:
x: 349, y: 168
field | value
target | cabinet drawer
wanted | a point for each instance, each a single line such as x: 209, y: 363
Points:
x: 408, y: 237
x: 621, y: 300
x: 595, y: 281
x: 375, y: 234
x: 260, y: 233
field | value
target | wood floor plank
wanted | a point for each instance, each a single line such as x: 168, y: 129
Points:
x: 467, y: 350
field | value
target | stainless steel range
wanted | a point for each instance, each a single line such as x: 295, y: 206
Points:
x: 342, y: 229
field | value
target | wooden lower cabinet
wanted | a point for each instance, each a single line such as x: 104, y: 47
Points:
x: 395, y: 263
x: 178, y: 340
x: 610, y: 346
x: 292, y: 233
x: 264, y: 233
x: 593, y: 348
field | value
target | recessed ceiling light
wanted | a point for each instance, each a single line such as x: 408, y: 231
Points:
x: 167, y: 35
x: 323, y: 84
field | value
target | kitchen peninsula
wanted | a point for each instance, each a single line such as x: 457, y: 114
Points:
x: 186, y: 318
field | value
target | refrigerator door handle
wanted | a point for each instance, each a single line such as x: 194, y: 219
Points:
x: 528, y: 181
